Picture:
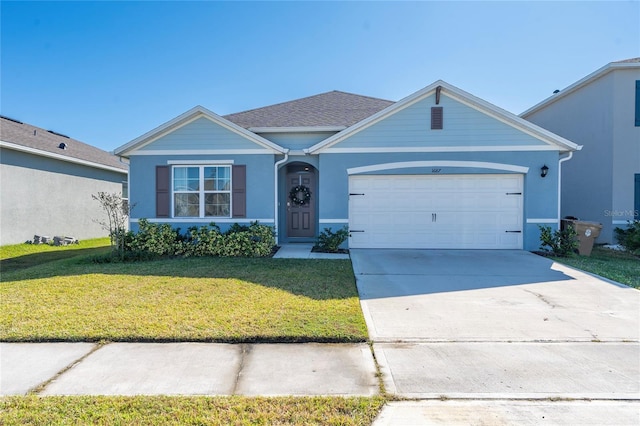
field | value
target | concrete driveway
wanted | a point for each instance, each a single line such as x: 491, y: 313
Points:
x: 500, y: 324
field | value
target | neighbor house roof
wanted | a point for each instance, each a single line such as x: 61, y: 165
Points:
x: 332, y: 110
x: 36, y: 140
x: 632, y: 63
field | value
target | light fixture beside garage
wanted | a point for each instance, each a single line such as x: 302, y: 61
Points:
x: 544, y: 170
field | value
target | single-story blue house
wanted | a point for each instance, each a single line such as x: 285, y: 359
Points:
x: 440, y: 168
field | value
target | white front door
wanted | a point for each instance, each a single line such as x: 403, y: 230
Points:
x: 427, y: 211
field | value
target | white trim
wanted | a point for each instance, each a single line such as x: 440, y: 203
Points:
x: 579, y: 84
x: 68, y: 159
x: 408, y: 164
x: 300, y: 129
x: 333, y: 221
x: 461, y: 96
x: 205, y: 220
x: 188, y: 117
x: 554, y: 220
x: 509, y: 148
x: 200, y: 162
x: 201, y: 152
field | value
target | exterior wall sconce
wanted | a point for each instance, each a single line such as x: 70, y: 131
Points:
x: 544, y: 170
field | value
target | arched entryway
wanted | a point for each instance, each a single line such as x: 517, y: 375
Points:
x: 301, y: 193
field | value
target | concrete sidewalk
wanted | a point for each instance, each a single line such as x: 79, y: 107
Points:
x: 187, y: 369
x: 303, y: 251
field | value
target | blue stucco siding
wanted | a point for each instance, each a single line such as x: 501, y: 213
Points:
x: 540, y: 194
x: 296, y: 141
x: 200, y: 134
x: 463, y: 126
x: 259, y: 189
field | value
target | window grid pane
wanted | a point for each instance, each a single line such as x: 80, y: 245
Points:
x: 186, y: 205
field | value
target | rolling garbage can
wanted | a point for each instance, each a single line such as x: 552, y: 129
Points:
x: 587, y: 233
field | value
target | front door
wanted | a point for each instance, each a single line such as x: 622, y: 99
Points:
x: 301, y: 198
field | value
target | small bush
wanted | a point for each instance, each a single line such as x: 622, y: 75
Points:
x: 330, y: 241
x: 629, y: 238
x: 560, y: 243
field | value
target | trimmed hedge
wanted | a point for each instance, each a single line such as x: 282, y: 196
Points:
x: 154, y: 240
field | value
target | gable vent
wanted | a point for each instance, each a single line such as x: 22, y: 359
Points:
x: 436, y: 118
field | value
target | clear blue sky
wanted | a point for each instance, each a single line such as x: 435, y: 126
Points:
x: 107, y: 72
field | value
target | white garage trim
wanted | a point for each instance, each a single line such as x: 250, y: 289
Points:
x: 554, y: 220
x: 409, y: 164
x: 454, y: 211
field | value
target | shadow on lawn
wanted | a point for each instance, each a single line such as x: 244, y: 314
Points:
x: 316, y: 279
x: 29, y: 260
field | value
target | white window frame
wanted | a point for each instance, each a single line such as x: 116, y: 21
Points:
x: 201, y: 191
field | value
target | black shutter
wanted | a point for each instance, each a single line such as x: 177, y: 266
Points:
x: 436, y: 118
x: 239, y: 191
x: 163, y: 194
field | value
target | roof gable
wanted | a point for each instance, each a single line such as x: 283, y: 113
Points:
x: 330, y: 110
x: 551, y: 140
x: 38, y: 141
x: 170, y: 135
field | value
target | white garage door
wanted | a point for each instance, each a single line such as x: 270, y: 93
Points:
x: 426, y: 211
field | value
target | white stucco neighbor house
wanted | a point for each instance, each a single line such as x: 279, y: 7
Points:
x: 440, y: 168
x: 46, y: 183
x: 601, y: 112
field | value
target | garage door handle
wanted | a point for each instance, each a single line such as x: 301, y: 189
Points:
x: 355, y: 194
x: 355, y: 230
x: 517, y: 232
x: 514, y: 193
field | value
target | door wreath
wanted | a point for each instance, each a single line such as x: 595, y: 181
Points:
x: 300, y: 195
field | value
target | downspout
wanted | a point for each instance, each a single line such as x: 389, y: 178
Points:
x: 276, y: 225
x: 562, y: 160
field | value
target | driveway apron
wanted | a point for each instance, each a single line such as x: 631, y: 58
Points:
x: 505, y: 324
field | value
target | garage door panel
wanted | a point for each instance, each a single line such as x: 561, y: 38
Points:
x: 425, y: 211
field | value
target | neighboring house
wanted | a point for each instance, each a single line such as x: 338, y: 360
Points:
x: 602, y: 113
x: 438, y: 169
x: 47, y: 180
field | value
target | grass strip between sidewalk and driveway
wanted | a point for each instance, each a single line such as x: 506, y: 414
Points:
x: 193, y: 299
x: 108, y: 410
x: 615, y: 265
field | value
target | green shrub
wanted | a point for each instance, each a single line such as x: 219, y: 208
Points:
x: 155, y: 240
x: 560, y: 243
x: 629, y: 238
x: 203, y: 241
x: 330, y: 241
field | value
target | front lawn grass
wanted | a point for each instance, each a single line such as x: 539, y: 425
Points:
x: 618, y: 266
x: 107, y: 410
x: 193, y: 299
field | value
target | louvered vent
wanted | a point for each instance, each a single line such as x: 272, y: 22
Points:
x: 436, y: 118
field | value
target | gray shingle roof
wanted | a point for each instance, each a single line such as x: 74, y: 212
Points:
x: 326, y: 109
x: 35, y: 137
